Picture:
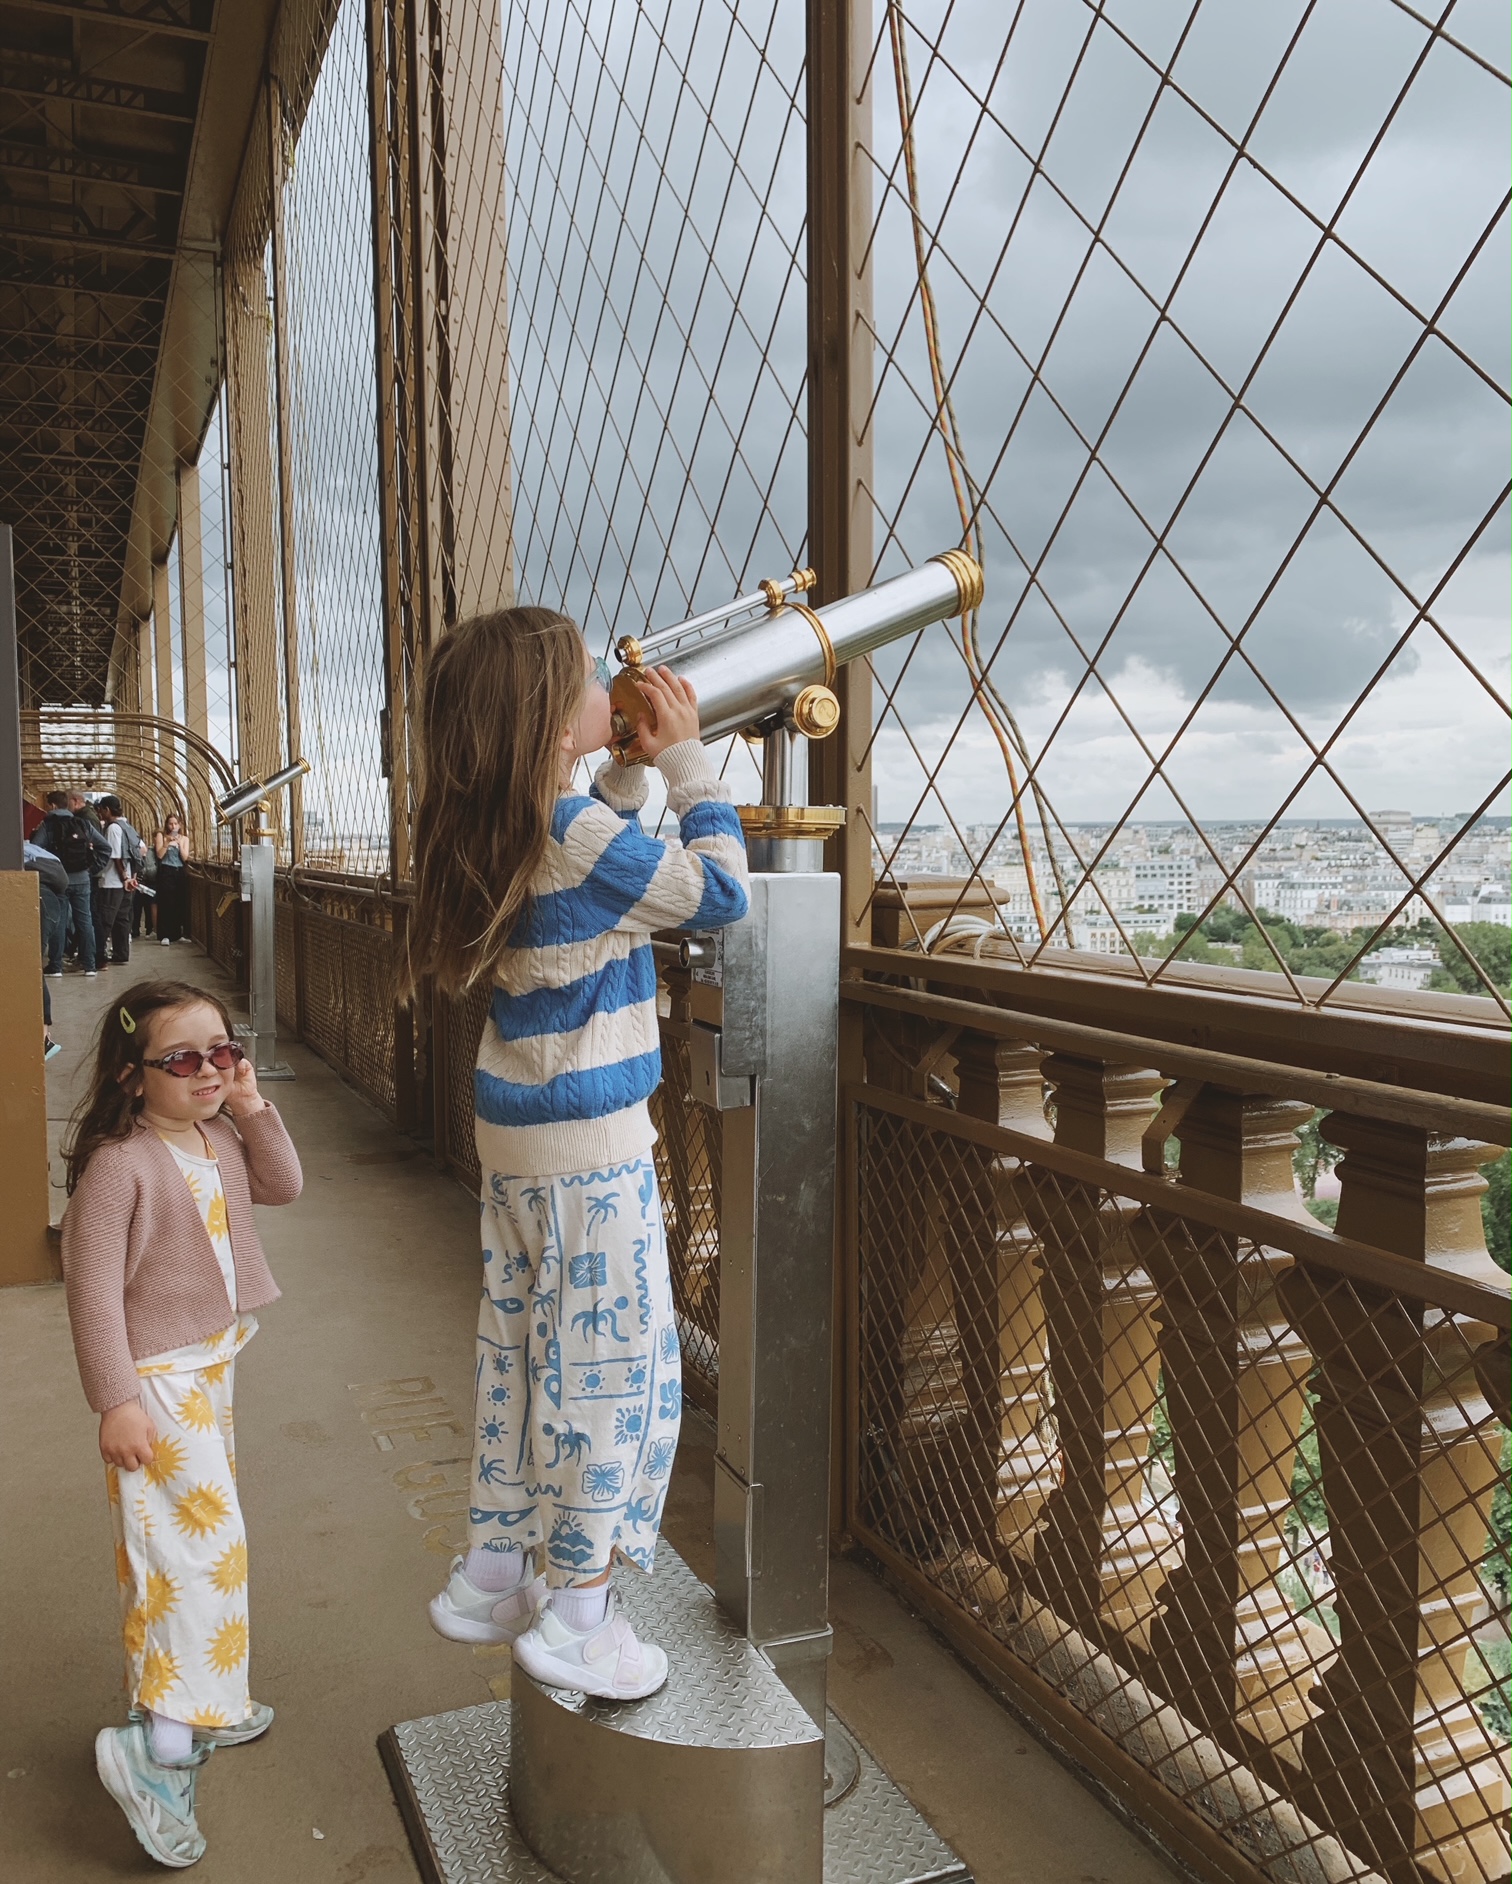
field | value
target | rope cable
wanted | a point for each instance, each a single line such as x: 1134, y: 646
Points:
x: 999, y: 715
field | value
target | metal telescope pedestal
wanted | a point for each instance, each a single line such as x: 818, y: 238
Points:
x: 727, y: 1776
x: 257, y: 889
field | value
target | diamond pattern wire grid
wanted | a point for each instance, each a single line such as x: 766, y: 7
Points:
x: 79, y: 329
x: 346, y: 992
x: 1109, y: 1436
x: 688, y: 1175
x: 655, y: 166
x: 1174, y: 302
x: 286, y: 953
x: 331, y: 371
x: 461, y: 1022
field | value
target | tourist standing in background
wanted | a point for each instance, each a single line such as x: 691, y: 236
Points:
x: 74, y: 841
x: 117, y: 881
x: 52, y: 887
x: 171, y: 845
x: 144, y: 919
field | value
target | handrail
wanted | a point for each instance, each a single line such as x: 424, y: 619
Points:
x: 1436, y: 1044
x: 1475, y: 1118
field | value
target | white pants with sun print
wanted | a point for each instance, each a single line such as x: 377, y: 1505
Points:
x: 181, y: 1548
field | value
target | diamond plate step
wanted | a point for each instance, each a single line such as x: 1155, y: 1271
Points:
x: 721, y: 1692
x: 450, y: 1775
x: 724, y: 1734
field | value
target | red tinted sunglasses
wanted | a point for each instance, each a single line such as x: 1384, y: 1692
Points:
x: 187, y: 1062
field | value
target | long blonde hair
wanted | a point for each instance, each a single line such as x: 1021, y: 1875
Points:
x: 499, y: 691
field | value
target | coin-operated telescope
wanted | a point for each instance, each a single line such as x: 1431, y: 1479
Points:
x: 253, y: 798
x: 765, y: 664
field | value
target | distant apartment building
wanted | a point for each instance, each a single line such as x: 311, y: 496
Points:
x: 1490, y: 903
x: 1167, y: 887
x: 1306, y: 897
x: 1399, y: 967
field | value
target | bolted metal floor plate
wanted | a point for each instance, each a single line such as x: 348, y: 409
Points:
x: 450, y: 1773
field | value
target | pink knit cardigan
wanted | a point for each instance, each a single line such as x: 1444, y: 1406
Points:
x: 139, y: 1269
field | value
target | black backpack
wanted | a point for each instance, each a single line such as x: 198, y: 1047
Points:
x: 74, y: 845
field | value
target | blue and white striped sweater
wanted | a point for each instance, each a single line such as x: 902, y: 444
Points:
x: 570, y: 1054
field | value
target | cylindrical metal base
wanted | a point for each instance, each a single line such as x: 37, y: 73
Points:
x: 717, y: 1779
x: 596, y: 1805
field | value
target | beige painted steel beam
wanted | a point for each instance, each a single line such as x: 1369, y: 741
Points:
x: 161, y: 630
x: 388, y: 145
x: 277, y: 179
x: 254, y: 550
x: 192, y: 600
x: 839, y: 118
x: 196, y: 705
x: 476, y: 309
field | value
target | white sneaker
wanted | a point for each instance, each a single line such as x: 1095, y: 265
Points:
x: 608, y: 1661
x: 464, y: 1613
x: 167, y: 941
x: 158, y: 1799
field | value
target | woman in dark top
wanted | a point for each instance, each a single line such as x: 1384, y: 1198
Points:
x: 171, y: 845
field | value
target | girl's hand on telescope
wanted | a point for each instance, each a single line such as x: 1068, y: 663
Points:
x: 127, y: 1436
x: 676, y: 708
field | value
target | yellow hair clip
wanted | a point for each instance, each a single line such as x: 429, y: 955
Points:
x: 128, y: 1025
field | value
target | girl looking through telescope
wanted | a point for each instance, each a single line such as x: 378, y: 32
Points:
x: 549, y: 897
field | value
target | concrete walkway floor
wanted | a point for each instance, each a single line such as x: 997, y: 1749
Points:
x: 353, y: 1419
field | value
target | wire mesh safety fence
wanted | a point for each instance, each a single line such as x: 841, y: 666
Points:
x: 1233, y: 1506
x: 1170, y: 307
x: 655, y: 166
x: 330, y: 411
x: 688, y: 1168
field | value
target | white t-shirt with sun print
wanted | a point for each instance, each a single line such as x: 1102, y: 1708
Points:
x: 202, y: 1174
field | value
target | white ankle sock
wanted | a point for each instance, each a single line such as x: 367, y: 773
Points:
x: 171, y: 1740
x: 497, y: 1571
x: 581, y: 1610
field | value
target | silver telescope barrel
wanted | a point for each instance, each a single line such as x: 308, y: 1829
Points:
x: 755, y: 671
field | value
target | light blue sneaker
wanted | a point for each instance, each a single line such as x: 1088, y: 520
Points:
x: 257, y: 1723
x: 158, y: 1800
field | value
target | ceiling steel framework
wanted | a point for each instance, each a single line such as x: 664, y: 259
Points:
x: 98, y: 103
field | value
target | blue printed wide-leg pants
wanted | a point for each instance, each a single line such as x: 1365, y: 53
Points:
x: 579, y: 1379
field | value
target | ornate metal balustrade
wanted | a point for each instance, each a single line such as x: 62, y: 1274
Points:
x: 1206, y: 1485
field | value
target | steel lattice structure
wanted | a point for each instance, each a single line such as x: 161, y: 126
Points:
x: 1189, y: 322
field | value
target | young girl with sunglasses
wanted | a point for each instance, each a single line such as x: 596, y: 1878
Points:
x: 163, y: 1267
x: 547, y: 897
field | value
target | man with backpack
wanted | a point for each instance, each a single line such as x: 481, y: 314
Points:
x: 118, y: 881
x: 73, y: 840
